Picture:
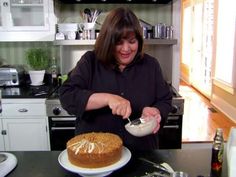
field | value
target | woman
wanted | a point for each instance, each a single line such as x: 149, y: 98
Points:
x: 117, y: 81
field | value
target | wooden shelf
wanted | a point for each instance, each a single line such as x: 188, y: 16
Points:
x: 26, y: 5
x: 92, y: 42
x: 160, y: 41
x: 74, y: 42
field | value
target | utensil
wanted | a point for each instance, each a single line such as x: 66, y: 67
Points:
x: 155, y: 174
x: 166, y: 168
x: 90, y: 15
x: 129, y: 120
x: 87, y: 11
x: 136, y: 121
x: 158, y: 166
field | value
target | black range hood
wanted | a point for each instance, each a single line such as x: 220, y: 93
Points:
x: 116, y: 1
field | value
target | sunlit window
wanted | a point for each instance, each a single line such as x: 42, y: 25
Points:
x: 225, y: 47
x: 187, y: 35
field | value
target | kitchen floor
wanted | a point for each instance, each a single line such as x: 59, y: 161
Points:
x: 200, y: 118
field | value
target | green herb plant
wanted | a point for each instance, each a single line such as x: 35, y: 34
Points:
x: 38, y: 58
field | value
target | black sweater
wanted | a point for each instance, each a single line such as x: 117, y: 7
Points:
x: 141, y: 82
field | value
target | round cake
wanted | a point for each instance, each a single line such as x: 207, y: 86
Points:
x: 94, y: 150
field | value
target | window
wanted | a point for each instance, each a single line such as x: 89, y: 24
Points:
x: 226, y: 43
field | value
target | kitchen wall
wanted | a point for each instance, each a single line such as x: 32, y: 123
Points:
x: 13, y: 53
x: 152, y: 13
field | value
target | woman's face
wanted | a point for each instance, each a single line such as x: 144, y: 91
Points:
x: 125, y: 50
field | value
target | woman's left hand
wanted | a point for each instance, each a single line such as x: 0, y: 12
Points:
x: 154, y: 113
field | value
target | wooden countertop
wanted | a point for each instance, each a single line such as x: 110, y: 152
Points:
x: 200, y: 118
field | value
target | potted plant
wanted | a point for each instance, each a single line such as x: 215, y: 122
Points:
x: 38, y: 60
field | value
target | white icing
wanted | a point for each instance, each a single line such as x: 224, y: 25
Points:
x: 88, y: 146
x: 91, y: 147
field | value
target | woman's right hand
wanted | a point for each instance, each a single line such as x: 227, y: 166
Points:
x: 119, y: 105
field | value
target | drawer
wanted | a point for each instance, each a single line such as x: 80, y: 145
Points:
x: 19, y: 110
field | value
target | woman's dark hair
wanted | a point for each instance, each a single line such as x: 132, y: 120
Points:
x: 119, y: 23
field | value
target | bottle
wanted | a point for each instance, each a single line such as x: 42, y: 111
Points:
x: 231, y: 152
x: 217, y: 153
x: 54, y: 72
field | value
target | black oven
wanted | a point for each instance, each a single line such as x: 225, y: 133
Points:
x: 61, y: 129
x: 170, y: 136
x: 61, y: 124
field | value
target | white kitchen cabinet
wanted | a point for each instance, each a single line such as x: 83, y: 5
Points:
x: 25, y: 134
x: 27, y: 20
x: 24, y: 125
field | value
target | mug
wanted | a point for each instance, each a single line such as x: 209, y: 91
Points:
x: 86, y: 26
x: 88, y: 30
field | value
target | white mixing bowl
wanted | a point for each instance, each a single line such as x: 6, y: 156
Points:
x: 145, y: 127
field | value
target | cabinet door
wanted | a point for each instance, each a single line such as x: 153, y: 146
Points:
x: 27, y: 20
x: 25, y: 134
x: 22, y: 14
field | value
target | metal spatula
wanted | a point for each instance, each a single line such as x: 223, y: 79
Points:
x: 135, y: 121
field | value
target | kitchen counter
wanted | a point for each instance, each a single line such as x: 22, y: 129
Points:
x: 196, y: 162
x: 25, y: 90
x: 43, y: 91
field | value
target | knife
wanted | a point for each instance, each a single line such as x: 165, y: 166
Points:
x: 160, y: 167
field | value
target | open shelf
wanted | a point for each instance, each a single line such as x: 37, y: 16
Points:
x: 92, y: 42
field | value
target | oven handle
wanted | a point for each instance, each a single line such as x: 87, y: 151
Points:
x: 173, y: 118
x: 63, y: 118
x: 62, y: 128
x: 171, y: 126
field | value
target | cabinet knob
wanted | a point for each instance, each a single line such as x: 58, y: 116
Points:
x: 4, y: 132
x: 23, y: 110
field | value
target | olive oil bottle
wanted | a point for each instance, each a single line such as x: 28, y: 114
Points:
x: 54, y: 72
x: 217, y: 153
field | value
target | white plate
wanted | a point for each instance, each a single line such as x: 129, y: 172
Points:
x: 9, y: 164
x: 94, y: 172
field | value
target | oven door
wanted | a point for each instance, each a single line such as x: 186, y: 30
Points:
x: 61, y: 129
x: 170, y: 136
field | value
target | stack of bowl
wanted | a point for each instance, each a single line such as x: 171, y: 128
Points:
x: 69, y: 30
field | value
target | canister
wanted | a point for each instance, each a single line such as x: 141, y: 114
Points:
x: 169, y: 32
x: 145, y: 32
x: 159, y: 31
